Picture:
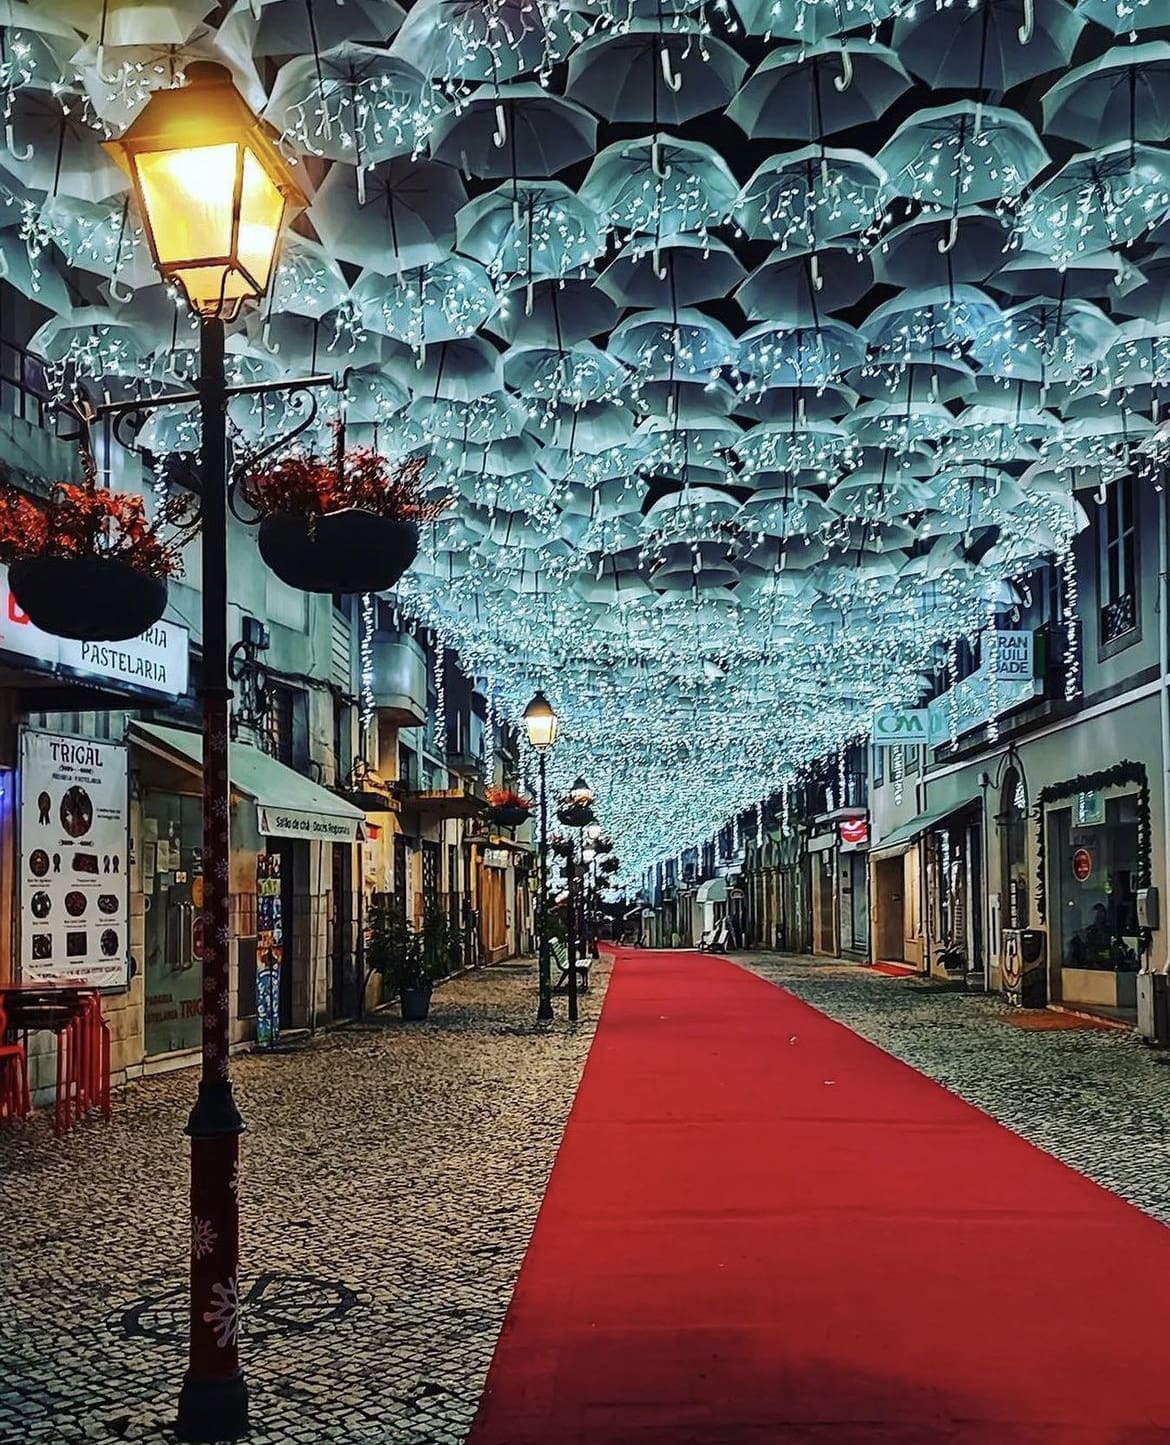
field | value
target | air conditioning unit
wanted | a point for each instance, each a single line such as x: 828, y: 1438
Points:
x: 1024, y: 967
x: 1153, y: 1002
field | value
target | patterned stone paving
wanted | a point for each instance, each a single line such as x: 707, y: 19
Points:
x: 392, y: 1175
x: 1098, y: 1099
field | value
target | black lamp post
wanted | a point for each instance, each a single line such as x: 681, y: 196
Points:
x: 215, y: 194
x: 541, y: 723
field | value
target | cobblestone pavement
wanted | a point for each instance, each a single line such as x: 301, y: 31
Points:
x: 392, y: 1176
x: 391, y: 1179
x: 1099, y: 1099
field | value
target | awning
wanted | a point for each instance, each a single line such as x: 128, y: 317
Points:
x: 901, y: 838
x: 713, y: 891
x: 287, y: 804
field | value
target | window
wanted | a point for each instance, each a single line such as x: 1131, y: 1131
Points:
x: 1118, y: 600
x: 408, y: 767
x: 288, y: 727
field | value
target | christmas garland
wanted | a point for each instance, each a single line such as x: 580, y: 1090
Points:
x: 1119, y: 776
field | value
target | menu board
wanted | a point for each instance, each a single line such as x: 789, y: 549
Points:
x: 74, y: 855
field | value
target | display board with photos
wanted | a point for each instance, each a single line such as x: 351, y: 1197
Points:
x: 74, y: 860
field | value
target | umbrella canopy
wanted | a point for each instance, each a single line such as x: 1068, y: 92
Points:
x: 1123, y: 95
x: 653, y: 73
x: 517, y: 129
x: 816, y: 91
x: 404, y: 218
x: 993, y: 46
x: 352, y: 103
x: 680, y: 270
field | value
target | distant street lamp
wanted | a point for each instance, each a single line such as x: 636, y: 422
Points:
x: 215, y: 195
x: 541, y: 724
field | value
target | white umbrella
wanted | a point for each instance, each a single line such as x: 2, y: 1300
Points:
x: 518, y: 129
x: 352, y: 103
x: 406, y: 218
x: 654, y: 74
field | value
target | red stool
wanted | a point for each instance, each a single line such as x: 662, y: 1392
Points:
x: 15, y: 1098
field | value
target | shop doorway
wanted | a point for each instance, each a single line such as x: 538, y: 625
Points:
x: 172, y: 885
x: 1094, y: 939
x: 854, y: 903
x: 889, y: 890
x: 346, y: 984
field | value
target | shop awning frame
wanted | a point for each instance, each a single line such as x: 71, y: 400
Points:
x: 904, y: 837
x: 288, y: 805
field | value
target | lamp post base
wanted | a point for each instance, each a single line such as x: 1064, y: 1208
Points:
x: 213, y: 1409
x: 545, y: 1011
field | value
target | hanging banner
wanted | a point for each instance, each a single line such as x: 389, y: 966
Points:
x: 74, y: 861
x: 269, y: 948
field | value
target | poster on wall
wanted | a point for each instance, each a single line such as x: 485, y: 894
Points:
x: 74, y: 858
x: 269, y: 949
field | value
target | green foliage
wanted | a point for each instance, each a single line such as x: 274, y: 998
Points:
x: 408, y: 958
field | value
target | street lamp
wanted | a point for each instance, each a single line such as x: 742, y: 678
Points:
x: 541, y: 723
x: 215, y: 195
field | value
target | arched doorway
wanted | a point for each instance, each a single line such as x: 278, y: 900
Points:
x: 1013, y: 851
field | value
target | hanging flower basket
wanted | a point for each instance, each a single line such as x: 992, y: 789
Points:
x: 89, y: 599
x: 349, y: 551
x: 609, y: 866
x: 576, y: 815
x: 508, y: 809
x: 562, y: 847
x: 349, y: 523
x: 87, y: 563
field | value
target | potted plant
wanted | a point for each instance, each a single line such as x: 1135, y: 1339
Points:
x: 575, y: 810
x: 508, y: 809
x: 394, y: 950
x: 88, y: 563
x: 349, y: 523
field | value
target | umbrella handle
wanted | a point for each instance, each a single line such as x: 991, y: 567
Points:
x: 1026, y: 30
x: 361, y: 185
x: 500, y: 134
x: 1102, y: 493
x: 123, y: 298
x: 660, y: 270
x: 814, y: 271
x: 661, y: 171
x: 947, y: 242
x: 673, y: 80
x: 266, y: 337
x: 10, y: 144
x: 845, y: 79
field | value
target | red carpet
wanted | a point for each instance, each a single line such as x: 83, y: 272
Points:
x: 893, y: 970
x: 762, y: 1229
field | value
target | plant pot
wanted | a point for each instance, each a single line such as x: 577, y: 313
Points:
x: 580, y: 815
x: 509, y: 816
x: 415, y: 1003
x: 349, y: 551
x: 89, y: 599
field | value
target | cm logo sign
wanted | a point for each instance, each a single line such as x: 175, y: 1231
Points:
x: 902, y: 727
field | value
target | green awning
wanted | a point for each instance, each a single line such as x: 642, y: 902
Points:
x: 901, y: 838
x: 287, y: 804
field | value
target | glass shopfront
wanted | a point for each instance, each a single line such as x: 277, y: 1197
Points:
x: 172, y: 885
x: 1093, y: 870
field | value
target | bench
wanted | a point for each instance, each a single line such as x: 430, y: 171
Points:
x: 560, y: 957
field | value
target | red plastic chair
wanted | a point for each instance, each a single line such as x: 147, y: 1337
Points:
x: 15, y: 1098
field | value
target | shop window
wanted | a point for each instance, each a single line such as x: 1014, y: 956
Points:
x: 1093, y: 887
x: 1118, y: 616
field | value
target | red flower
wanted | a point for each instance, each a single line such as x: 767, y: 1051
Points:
x: 85, y: 520
x: 312, y: 486
x: 506, y: 798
